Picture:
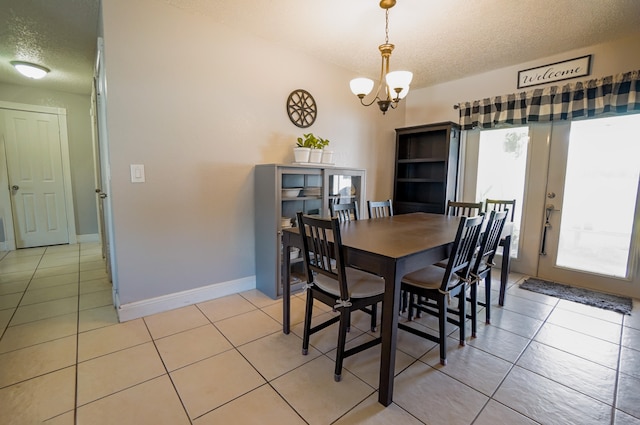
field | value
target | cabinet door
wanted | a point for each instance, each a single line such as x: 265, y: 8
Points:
x: 345, y: 186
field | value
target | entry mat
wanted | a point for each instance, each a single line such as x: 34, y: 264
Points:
x: 584, y: 296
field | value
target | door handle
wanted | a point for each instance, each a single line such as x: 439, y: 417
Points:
x: 15, y: 187
x: 102, y: 195
x: 547, y: 225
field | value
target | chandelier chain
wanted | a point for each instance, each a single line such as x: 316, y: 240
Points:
x: 386, y: 30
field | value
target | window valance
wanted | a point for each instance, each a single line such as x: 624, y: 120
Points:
x: 617, y: 94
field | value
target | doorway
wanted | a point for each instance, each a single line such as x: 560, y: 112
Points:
x: 36, y: 166
x: 579, y: 213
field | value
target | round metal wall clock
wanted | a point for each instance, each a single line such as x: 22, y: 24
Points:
x: 301, y: 108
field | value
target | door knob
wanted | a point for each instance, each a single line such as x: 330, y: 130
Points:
x: 102, y: 195
x: 551, y: 195
x: 15, y: 187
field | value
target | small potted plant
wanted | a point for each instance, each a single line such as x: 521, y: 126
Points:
x: 313, y: 144
x: 302, y: 149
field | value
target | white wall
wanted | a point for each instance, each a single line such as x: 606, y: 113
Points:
x: 435, y: 104
x: 199, y: 105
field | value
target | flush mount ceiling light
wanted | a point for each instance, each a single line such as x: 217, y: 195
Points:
x: 392, y: 86
x: 30, y: 70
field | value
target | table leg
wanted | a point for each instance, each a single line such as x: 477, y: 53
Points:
x: 504, y: 271
x: 389, y: 334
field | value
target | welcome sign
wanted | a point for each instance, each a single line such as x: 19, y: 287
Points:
x: 565, y: 70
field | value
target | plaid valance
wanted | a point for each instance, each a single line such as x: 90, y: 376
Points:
x: 617, y: 94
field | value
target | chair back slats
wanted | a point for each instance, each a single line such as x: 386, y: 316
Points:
x: 378, y: 209
x: 501, y: 205
x: 468, y: 209
x: 344, y: 212
x: 464, y: 246
x: 489, y: 241
x: 322, y: 249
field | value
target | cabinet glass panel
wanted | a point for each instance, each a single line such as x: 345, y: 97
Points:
x: 344, y: 189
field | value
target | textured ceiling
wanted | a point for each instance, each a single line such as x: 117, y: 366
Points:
x: 439, y: 40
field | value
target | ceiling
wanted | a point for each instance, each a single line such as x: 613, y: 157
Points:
x: 439, y: 40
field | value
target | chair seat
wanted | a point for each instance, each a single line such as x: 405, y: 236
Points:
x: 361, y: 284
x: 429, y: 277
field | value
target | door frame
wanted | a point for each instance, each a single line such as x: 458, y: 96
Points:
x: 10, y: 241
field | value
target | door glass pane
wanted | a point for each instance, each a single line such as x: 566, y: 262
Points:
x: 502, y: 164
x: 600, y: 192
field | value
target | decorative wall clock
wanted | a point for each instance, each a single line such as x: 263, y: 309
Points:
x: 301, y: 108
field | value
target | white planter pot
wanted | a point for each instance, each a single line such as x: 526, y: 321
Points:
x: 301, y: 154
x: 327, y: 157
x: 315, y: 156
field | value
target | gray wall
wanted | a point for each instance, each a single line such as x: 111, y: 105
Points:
x: 80, y: 146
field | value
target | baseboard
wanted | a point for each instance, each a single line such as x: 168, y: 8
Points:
x: 95, y: 237
x: 138, y: 309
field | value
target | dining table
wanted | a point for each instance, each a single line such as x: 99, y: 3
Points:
x: 390, y: 247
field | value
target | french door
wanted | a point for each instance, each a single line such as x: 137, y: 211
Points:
x: 577, y: 185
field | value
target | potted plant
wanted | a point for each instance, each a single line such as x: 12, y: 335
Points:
x: 302, y: 149
x: 314, y: 145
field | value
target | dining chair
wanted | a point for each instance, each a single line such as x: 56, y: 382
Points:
x: 433, y: 287
x: 501, y: 205
x: 379, y: 209
x: 344, y: 212
x: 482, y: 264
x: 469, y: 209
x: 331, y: 282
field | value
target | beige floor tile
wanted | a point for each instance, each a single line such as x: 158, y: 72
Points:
x: 67, y: 418
x: 366, y: 364
x: 106, y: 340
x: 174, y: 321
x: 49, y: 281
x: 212, y: 382
x: 96, y: 299
x: 98, y: 317
x: 428, y: 393
x: 527, y: 307
x: 413, y: 345
x: 587, y: 377
x: 91, y: 263
x: 476, y: 368
x: 373, y: 413
x: 631, y: 338
x: 13, y: 287
x: 257, y: 298
x: 631, y: 320
x: 114, y: 372
x: 5, y: 317
x: 184, y: 348
x: 225, y: 307
x: 591, y: 311
x: 95, y: 285
x: 311, y: 390
x: 44, y: 310
x: 630, y: 362
x: 10, y: 300
x: 27, y: 252
x: 296, y: 312
x: 15, y: 276
x: 497, y: 414
x: 18, y: 266
x: 27, y: 363
x: 586, y: 324
x: 326, y: 339
x: 55, y: 271
x: 32, y: 333
x: 628, y: 396
x: 93, y: 274
x: 622, y: 418
x: 276, y: 354
x: 33, y: 296
x: 261, y: 406
x: 248, y: 327
x: 500, y: 343
x: 57, y: 261
x: 31, y: 402
x: 151, y: 402
x: 548, y: 402
x: 581, y: 345
x: 516, y: 291
x: 513, y: 322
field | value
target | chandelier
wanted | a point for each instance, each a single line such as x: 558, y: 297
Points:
x: 392, y: 86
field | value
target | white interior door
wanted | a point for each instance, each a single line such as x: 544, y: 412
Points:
x: 591, y: 209
x: 36, y: 179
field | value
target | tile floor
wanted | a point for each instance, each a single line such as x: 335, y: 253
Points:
x: 64, y: 359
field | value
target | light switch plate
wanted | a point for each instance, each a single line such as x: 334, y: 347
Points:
x: 137, y: 173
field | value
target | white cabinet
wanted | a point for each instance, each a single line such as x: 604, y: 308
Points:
x: 280, y: 192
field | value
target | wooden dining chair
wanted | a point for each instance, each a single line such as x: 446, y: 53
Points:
x: 501, y: 205
x: 468, y: 209
x: 379, y: 209
x: 482, y: 264
x: 342, y: 288
x: 344, y: 212
x: 433, y: 287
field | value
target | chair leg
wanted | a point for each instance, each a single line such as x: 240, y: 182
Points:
x: 307, y: 323
x: 487, y: 297
x: 462, y: 317
x: 342, y: 341
x: 474, y: 308
x: 442, y: 321
x: 374, y: 317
